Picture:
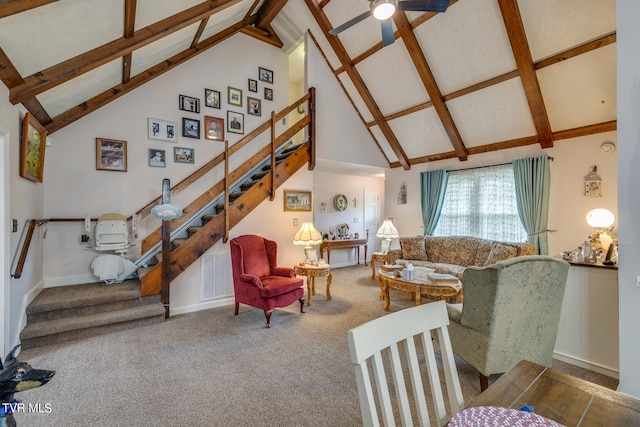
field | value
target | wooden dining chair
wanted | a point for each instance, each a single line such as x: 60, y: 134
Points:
x: 375, y: 344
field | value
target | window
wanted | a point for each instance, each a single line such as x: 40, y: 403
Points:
x: 481, y: 202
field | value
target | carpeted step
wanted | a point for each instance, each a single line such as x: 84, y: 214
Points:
x: 72, y: 312
x: 78, y: 327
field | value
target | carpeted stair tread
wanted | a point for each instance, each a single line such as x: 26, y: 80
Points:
x: 88, y: 321
x: 65, y: 297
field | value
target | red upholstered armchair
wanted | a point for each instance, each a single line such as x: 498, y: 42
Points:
x: 258, y: 281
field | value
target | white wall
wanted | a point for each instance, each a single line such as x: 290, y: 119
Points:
x: 73, y: 185
x: 572, y: 160
x: 327, y: 186
x: 628, y: 13
x: 341, y: 134
x: 23, y: 200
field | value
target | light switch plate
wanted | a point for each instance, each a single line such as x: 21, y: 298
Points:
x: 295, y: 222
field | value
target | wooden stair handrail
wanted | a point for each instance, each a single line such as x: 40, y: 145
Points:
x: 25, y: 249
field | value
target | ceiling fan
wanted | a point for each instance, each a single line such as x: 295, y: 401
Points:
x: 384, y: 9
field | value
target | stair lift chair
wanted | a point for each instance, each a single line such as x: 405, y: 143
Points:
x: 258, y: 281
x: 112, y: 233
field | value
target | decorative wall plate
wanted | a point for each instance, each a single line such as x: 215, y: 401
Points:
x: 340, y: 202
x: 342, y: 231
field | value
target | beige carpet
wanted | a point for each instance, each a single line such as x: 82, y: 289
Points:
x: 212, y: 368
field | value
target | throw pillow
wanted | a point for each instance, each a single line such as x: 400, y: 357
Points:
x: 413, y: 248
x: 500, y: 252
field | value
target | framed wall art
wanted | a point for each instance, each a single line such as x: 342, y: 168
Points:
x: 162, y: 130
x: 235, y: 122
x: 157, y: 158
x: 268, y: 94
x: 33, y: 144
x: 190, y: 128
x: 234, y: 96
x: 111, y: 155
x: 265, y: 75
x: 183, y: 155
x: 254, y: 106
x: 214, y: 128
x: 297, y: 201
x: 189, y: 103
x: 211, y: 98
x: 252, y: 85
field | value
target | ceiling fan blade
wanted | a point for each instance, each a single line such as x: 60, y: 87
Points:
x: 351, y: 22
x: 423, y: 5
x: 387, y: 32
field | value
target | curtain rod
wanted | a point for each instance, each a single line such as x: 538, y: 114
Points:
x: 487, y: 166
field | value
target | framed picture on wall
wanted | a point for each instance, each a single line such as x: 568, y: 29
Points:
x: 211, y: 98
x: 162, y: 130
x: 33, y: 143
x: 268, y: 94
x: 235, y: 122
x: 190, y: 128
x: 214, y: 128
x: 183, y: 155
x: 265, y: 75
x: 235, y: 96
x: 111, y: 155
x: 157, y: 158
x: 254, y: 106
x: 189, y: 103
x: 297, y: 201
x: 253, y: 85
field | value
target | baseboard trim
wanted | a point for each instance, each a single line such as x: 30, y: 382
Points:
x: 222, y: 302
x: 587, y: 365
x: 26, y: 300
x: 70, y: 280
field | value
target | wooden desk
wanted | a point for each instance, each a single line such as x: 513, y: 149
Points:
x: 341, y: 244
x: 560, y: 397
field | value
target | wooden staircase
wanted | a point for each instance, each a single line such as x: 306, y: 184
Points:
x: 186, y: 251
x: 72, y: 312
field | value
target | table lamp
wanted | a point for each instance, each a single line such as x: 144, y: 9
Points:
x: 602, y: 220
x: 386, y: 232
x: 308, y: 236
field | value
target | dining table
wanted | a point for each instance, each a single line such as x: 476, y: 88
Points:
x: 560, y: 397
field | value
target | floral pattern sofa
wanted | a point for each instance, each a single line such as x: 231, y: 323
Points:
x: 453, y: 254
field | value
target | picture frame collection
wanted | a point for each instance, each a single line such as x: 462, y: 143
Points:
x: 111, y: 154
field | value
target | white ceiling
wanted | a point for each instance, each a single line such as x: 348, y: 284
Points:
x: 464, y: 46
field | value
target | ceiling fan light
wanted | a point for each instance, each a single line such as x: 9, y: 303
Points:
x: 383, y: 9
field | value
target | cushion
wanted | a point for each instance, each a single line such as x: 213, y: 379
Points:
x: 485, y: 416
x: 458, y: 250
x: 483, y: 251
x: 278, y: 285
x: 500, y: 252
x: 413, y: 248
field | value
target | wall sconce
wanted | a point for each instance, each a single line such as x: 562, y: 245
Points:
x: 593, y: 183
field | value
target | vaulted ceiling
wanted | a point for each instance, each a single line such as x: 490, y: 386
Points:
x: 485, y: 75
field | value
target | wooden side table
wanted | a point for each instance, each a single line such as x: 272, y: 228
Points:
x: 377, y: 256
x: 311, y: 272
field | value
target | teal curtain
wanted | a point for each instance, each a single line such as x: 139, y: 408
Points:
x: 433, y: 185
x: 532, y: 178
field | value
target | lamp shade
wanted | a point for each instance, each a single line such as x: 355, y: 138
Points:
x: 383, y: 9
x: 387, y: 230
x: 307, y: 235
x: 600, y: 218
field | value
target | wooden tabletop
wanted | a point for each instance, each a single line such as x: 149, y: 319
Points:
x: 563, y: 398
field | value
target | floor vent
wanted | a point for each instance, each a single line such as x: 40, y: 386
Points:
x: 217, y: 279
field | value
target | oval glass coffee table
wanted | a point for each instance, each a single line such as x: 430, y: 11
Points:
x: 417, y: 287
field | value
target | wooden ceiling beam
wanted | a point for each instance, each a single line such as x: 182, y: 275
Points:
x: 524, y: 61
x: 269, y: 37
x: 10, y: 77
x: 11, y: 7
x: 115, y: 92
x: 358, y: 83
x: 129, y: 29
x: 605, y: 40
x: 429, y: 83
x: 268, y: 11
x: 65, y: 71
